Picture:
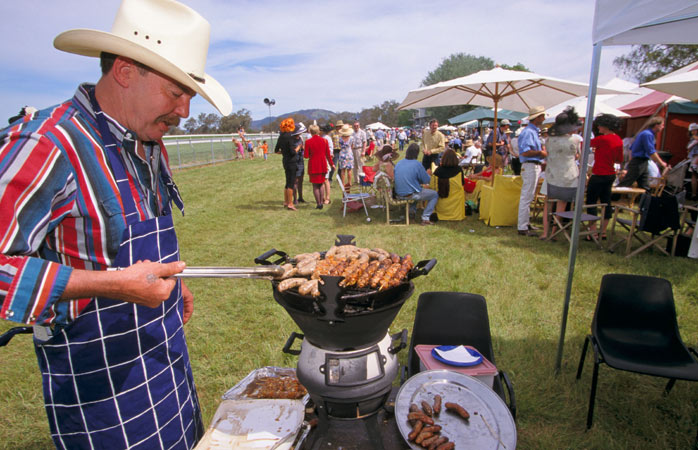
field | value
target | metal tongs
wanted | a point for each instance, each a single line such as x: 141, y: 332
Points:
x: 269, y: 272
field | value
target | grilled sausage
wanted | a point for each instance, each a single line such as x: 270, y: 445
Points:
x: 421, y: 436
x: 416, y: 430
x: 291, y: 283
x: 427, y: 442
x: 439, y: 441
x: 310, y: 287
x: 426, y: 407
x: 446, y: 446
x: 437, y: 405
x: 458, y: 409
x: 420, y: 416
x: 432, y: 428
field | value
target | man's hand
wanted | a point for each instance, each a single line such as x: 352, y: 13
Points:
x: 188, y: 299
x: 145, y: 283
x: 148, y: 283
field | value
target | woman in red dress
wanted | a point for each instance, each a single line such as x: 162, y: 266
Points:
x: 318, y: 153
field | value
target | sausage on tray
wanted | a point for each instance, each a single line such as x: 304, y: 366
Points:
x: 458, y: 409
x: 441, y: 440
x: 420, y: 416
x: 423, y: 435
x: 416, y: 430
x: 437, y: 405
x: 433, y: 428
x: 446, y: 446
x: 426, y: 407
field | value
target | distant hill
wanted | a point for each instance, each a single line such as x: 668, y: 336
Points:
x: 312, y: 114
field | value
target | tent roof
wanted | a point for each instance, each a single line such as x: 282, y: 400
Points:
x: 622, y: 22
x: 486, y: 113
x: 648, y: 104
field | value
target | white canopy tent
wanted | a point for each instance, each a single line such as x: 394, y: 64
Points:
x: 580, y: 106
x: 624, y: 22
x: 377, y: 126
x: 447, y: 128
x: 620, y: 100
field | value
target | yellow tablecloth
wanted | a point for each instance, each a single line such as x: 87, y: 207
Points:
x: 499, y: 203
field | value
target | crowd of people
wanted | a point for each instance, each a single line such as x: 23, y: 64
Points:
x: 453, y: 163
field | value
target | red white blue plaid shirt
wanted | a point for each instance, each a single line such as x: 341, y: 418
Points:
x: 60, y: 207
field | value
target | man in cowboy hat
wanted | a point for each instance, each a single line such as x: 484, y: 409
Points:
x: 531, y: 154
x: 91, y: 189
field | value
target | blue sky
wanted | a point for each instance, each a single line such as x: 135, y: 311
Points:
x: 311, y: 54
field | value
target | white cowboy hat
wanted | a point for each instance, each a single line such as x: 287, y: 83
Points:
x: 535, y: 112
x: 164, y: 35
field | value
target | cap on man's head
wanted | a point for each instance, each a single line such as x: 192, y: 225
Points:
x: 164, y: 35
x: 505, y: 122
x: 693, y: 126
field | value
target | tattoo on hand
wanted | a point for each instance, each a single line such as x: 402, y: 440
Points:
x: 150, y: 278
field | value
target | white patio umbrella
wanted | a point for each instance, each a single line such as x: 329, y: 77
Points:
x: 683, y: 82
x: 499, y: 88
x: 447, y: 128
x: 580, y: 106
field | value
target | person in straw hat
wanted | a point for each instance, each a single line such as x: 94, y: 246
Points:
x: 531, y: 155
x: 93, y: 190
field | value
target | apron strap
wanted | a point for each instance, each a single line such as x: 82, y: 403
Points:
x: 120, y: 175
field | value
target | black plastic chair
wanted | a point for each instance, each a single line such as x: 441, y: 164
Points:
x: 456, y: 318
x: 634, y: 329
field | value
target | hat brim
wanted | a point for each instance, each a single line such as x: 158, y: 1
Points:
x: 92, y: 43
x: 535, y: 115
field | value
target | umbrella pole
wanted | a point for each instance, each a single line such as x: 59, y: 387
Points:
x: 579, y: 200
x: 494, y: 140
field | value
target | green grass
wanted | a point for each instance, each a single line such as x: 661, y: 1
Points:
x: 234, y: 213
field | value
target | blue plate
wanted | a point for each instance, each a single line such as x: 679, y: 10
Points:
x: 445, y: 348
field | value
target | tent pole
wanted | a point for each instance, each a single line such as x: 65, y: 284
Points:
x: 579, y: 200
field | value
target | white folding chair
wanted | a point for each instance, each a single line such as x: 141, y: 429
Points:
x: 349, y: 197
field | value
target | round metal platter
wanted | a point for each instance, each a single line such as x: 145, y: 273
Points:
x: 490, y: 426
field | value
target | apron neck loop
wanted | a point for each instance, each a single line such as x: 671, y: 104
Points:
x: 117, y: 165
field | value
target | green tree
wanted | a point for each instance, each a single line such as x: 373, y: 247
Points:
x: 208, y: 123
x: 232, y: 122
x: 191, y: 125
x: 455, y: 66
x: 647, y: 62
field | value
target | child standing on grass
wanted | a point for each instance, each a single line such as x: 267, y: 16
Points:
x: 265, y: 149
x: 237, y: 148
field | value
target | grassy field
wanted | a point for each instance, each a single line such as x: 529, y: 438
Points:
x: 234, y: 213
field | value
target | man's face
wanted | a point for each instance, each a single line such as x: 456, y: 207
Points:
x: 657, y: 128
x: 538, y: 121
x: 158, y: 102
x: 357, y: 125
x: 433, y: 126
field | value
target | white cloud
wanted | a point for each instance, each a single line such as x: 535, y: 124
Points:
x: 331, y: 55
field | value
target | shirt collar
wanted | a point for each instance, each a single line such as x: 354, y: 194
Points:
x: 124, y: 137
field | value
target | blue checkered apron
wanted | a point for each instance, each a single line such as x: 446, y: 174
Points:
x: 119, y: 375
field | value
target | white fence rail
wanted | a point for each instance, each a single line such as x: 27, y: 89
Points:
x: 200, y: 149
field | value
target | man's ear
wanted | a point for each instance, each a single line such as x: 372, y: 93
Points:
x: 123, y: 71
